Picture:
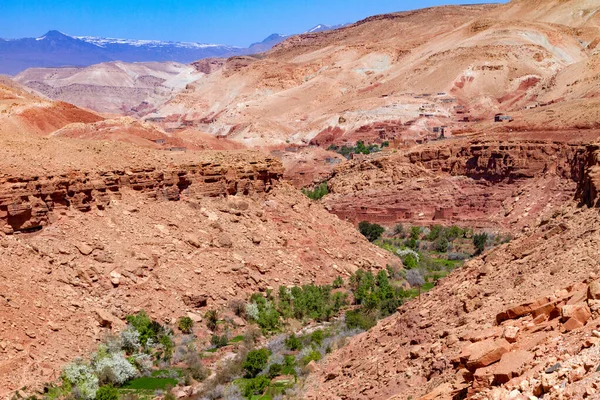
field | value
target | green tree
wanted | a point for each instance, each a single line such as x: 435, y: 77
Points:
x: 317, y: 337
x: 410, y: 262
x: 479, y: 241
x: 442, y: 245
x: 256, y: 386
x: 293, y: 343
x: 275, y: 370
x: 415, y: 232
x: 435, y: 232
x: 371, y: 231
x: 255, y: 362
x: 384, y: 289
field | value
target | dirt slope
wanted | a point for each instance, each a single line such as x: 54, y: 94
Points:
x: 394, y: 69
x: 114, y: 87
x: 518, y: 322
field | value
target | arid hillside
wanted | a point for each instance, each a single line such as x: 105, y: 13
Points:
x: 519, y: 322
x: 400, y: 75
x: 115, y: 87
x: 94, y: 227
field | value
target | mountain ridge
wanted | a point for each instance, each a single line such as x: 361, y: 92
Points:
x: 58, y: 49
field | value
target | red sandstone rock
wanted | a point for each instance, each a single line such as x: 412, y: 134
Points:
x: 486, y: 353
x: 511, y: 364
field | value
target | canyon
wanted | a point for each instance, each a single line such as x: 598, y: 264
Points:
x: 174, y: 189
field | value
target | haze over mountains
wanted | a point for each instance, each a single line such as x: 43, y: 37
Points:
x: 57, y: 49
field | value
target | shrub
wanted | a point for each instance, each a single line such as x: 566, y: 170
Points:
x: 212, y: 317
x: 399, y: 230
x: 238, y: 307
x: 275, y: 370
x: 130, y: 339
x: 167, y: 346
x: 317, y: 337
x: 185, y: 324
x: 195, y: 367
x: 219, y: 341
x: 371, y: 231
x: 479, y: 241
x: 81, y: 378
x: 255, y: 362
x: 415, y: 232
x: 356, y: 319
x: 255, y: 386
x: 293, y: 343
x: 107, y: 393
x: 318, y: 192
x: 442, y: 245
x: 314, y: 355
x: 113, y: 369
x: 338, y: 282
x: 252, y: 311
x: 415, y: 278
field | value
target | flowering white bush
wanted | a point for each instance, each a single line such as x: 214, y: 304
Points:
x: 115, y: 368
x: 82, y: 379
x: 144, y: 363
x: 404, y: 252
x: 252, y: 311
x: 130, y: 339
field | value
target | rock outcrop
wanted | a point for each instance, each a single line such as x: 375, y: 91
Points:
x: 486, y: 182
x: 27, y: 203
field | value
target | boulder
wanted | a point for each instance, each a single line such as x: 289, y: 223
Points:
x: 575, y: 316
x: 486, y: 353
x: 511, y: 365
x: 510, y: 334
x: 84, y: 248
x: 107, y: 320
x: 594, y: 290
x: 195, y: 300
x: 115, y: 278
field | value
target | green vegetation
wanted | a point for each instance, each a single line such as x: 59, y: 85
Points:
x: 255, y: 386
x: 318, y: 192
x: 212, y: 319
x: 314, y: 355
x: 107, y: 393
x: 371, y: 231
x: 359, y: 148
x: 293, y: 343
x: 219, y: 341
x: 255, y: 362
x: 185, y: 324
x: 338, y: 282
x: 479, y: 241
x: 151, y: 383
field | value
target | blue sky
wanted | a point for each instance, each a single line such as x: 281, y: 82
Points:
x: 233, y: 22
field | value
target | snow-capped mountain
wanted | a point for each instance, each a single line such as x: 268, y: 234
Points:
x: 323, y: 28
x: 57, y: 49
x: 105, y: 42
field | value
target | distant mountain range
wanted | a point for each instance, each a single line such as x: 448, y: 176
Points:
x: 56, y: 49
